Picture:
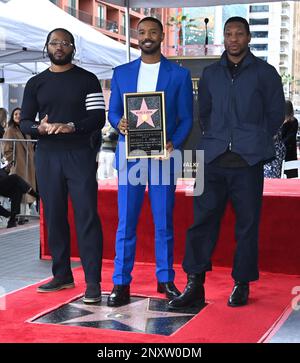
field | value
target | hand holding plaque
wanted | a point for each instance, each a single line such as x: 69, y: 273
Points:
x: 123, y: 126
x: 146, y: 133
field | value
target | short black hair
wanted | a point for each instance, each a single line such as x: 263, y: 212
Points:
x: 238, y: 19
x: 60, y: 30
x: 154, y: 20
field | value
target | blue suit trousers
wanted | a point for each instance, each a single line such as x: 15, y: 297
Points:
x: 161, y: 189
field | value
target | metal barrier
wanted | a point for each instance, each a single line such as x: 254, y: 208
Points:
x: 3, y: 200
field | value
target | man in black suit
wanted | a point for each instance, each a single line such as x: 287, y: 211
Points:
x: 241, y: 104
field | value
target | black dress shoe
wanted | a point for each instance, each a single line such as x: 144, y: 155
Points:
x: 239, y: 295
x: 57, y: 284
x: 92, y: 293
x: 193, y: 294
x: 169, y: 289
x: 11, y: 223
x: 119, y: 296
x: 22, y: 220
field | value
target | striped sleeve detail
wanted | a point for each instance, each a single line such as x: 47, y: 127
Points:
x: 94, y: 101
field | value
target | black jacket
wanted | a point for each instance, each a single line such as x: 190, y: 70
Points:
x: 241, y: 114
x: 289, y: 132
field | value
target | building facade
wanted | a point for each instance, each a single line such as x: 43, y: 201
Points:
x: 296, y: 58
x: 275, y: 29
x: 108, y: 18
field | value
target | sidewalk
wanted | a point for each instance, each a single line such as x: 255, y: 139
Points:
x: 20, y: 263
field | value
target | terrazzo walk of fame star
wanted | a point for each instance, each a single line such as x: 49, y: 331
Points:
x: 141, y: 315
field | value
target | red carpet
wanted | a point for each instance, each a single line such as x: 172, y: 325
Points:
x: 279, y: 238
x: 216, y: 323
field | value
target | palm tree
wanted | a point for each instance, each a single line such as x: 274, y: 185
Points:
x: 287, y: 80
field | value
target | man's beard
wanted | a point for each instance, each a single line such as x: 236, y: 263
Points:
x: 238, y: 53
x: 62, y: 61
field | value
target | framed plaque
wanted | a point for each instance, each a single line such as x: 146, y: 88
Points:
x: 145, y: 112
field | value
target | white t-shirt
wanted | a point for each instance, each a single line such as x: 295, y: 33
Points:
x: 147, y: 78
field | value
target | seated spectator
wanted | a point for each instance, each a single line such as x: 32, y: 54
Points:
x: 13, y: 187
x: 21, y: 155
x: 273, y: 168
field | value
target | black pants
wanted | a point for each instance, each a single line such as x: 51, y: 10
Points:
x: 13, y: 187
x: 71, y: 172
x: 244, y: 187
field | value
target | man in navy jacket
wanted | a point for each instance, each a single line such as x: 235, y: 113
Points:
x: 241, y: 104
x: 151, y: 72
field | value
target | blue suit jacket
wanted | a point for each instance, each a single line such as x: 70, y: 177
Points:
x: 175, y: 81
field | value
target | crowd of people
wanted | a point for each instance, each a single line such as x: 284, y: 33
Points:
x: 248, y: 130
x: 17, y: 174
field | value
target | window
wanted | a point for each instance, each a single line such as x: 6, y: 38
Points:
x: 100, y: 12
x: 259, y: 8
x: 124, y: 21
x: 100, y: 17
x: 259, y: 46
x: 263, y: 21
x: 262, y: 34
x: 72, y: 8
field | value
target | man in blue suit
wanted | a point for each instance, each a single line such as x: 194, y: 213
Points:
x: 151, y: 72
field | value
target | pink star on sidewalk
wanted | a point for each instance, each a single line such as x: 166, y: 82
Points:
x: 144, y: 114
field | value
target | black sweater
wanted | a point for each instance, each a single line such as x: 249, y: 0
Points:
x: 71, y: 96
